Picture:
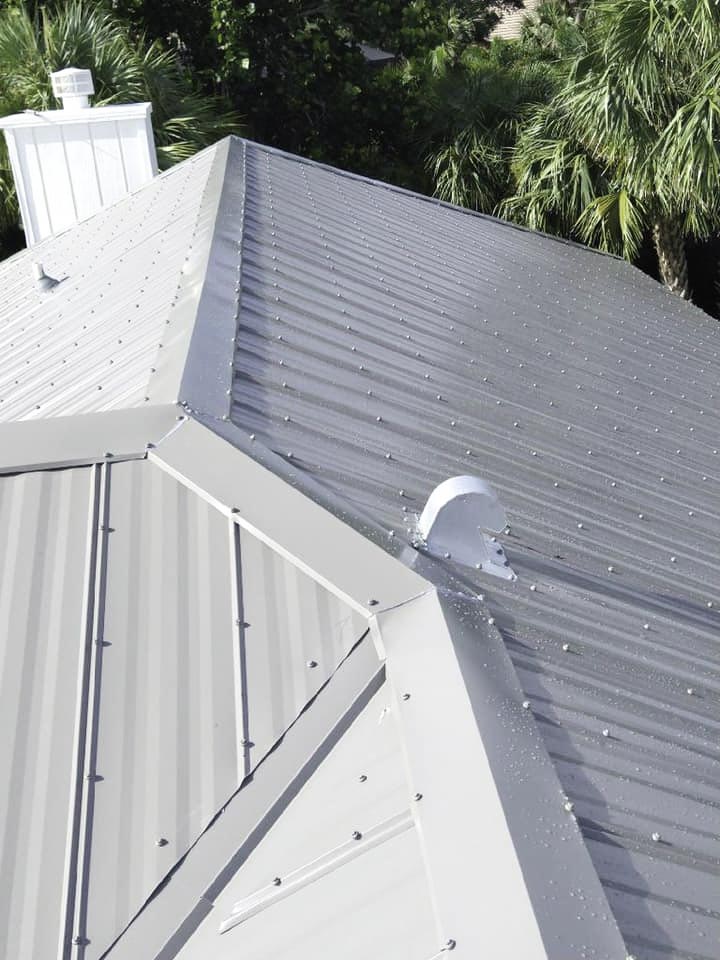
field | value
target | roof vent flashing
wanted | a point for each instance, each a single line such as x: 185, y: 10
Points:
x: 457, y: 522
x: 42, y: 280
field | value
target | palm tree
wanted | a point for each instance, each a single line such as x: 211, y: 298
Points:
x: 472, y: 107
x: 629, y: 147
x: 84, y: 34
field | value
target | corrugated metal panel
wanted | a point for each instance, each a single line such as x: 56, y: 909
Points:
x: 389, y: 342
x: 90, y: 344
x: 167, y: 735
x: 374, y: 904
x: 44, y: 531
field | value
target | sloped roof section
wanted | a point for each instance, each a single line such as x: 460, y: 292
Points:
x: 387, y: 342
x: 338, y: 346
x: 152, y: 655
x: 94, y: 341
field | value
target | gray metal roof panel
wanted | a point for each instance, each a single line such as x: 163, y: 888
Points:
x: 389, y: 342
x: 44, y: 522
x: 167, y: 741
x: 93, y: 342
x: 152, y: 653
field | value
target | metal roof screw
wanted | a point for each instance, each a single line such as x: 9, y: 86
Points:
x: 568, y: 806
x: 526, y: 704
x: 606, y: 732
x: 491, y: 620
x: 276, y: 881
x: 417, y: 796
x: 611, y: 569
x: 612, y: 483
x: 107, y: 455
x: 580, y: 526
x: 372, y: 602
x: 161, y: 842
x: 406, y: 696
x: 449, y: 945
x: 311, y: 664
x: 401, y: 492
x: 566, y: 648
x: 80, y: 941
x: 709, y: 603
x: 673, y: 559
x: 690, y: 691
x: 533, y: 588
x: 646, y: 626
x: 641, y: 516
x: 447, y: 555
x: 356, y: 835
x: 388, y: 456
x: 691, y: 513
x: 362, y: 778
x: 656, y: 838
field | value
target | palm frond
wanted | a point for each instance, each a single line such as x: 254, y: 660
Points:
x: 615, y: 222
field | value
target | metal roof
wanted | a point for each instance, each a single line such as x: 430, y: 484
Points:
x: 511, y: 23
x: 95, y: 341
x: 215, y: 558
x: 388, y: 342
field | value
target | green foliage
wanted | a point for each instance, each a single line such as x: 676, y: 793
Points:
x: 631, y: 140
x: 298, y: 70
x: 472, y: 110
x: 125, y: 69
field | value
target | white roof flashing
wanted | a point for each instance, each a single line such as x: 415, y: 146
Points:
x: 458, y: 515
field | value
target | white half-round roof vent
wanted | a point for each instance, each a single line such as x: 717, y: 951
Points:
x: 458, y: 517
x: 73, y: 87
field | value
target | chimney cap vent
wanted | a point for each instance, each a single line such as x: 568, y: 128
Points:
x: 73, y: 86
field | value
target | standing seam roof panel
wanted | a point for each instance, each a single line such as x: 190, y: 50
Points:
x: 44, y: 519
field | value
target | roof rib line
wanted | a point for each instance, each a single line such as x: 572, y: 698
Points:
x: 74, y: 933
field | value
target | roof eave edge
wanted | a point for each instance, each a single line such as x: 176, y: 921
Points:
x: 54, y: 443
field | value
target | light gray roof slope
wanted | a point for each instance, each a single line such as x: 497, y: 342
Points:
x: 335, y: 340
x: 95, y: 342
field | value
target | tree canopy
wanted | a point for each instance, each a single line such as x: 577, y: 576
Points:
x: 629, y: 145
x: 599, y: 124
